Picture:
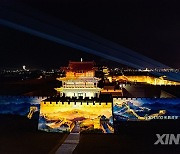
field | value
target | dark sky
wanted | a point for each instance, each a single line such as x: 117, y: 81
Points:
x: 148, y: 27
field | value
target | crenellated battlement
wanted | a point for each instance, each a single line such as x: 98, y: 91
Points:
x: 75, y: 103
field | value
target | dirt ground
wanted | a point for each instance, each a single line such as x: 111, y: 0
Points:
x: 19, y: 135
x: 132, y: 138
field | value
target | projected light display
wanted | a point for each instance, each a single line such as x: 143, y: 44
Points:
x: 146, y: 109
x: 66, y: 116
x: 18, y: 105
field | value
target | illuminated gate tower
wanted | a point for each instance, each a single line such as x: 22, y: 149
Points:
x: 80, y: 80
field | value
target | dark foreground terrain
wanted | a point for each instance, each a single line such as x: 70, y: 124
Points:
x: 19, y: 135
x: 132, y: 138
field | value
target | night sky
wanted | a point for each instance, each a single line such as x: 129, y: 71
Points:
x: 151, y: 28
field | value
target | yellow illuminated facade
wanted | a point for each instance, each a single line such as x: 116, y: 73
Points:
x: 144, y: 79
x: 75, y: 75
x: 64, y: 116
x: 80, y: 80
x: 91, y: 115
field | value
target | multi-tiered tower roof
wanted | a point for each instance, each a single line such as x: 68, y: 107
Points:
x: 80, y: 80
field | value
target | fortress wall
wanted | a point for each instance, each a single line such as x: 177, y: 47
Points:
x: 55, y: 107
x: 44, y: 104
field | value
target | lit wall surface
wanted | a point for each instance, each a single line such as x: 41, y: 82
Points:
x: 18, y: 105
x: 146, y: 79
x: 63, y: 117
x: 146, y: 109
x: 70, y: 74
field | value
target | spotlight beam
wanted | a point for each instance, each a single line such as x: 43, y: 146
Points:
x: 57, y: 31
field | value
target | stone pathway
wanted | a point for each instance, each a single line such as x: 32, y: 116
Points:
x: 71, y: 141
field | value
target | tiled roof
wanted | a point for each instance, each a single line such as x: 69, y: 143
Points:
x: 75, y: 66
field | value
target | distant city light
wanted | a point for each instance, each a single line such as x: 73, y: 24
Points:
x: 24, y: 67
